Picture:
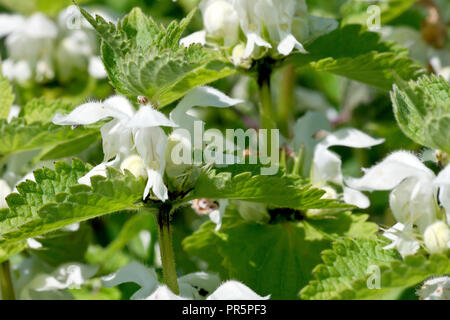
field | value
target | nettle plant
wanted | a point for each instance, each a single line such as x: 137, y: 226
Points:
x: 296, y: 233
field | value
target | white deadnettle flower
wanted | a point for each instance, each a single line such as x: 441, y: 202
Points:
x: 326, y: 165
x: 221, y: 20
x: 435, y: 289
x: 30, y: 44
x: 5, y: 190
x: 276, y: 17
x: 182, y: 139
x: 437, y: 237
x: 282, y: 24
x: 129, y: 133
x: 403, y: 239
x: 413, y: 185
x: 49, y: 285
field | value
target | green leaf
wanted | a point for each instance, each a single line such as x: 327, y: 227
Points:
x: 355, y: 12
x: 31, y: 6
x: 6, y: 96
x: 274, y: 259
x: 359, y: 55
x: 143, y: 58
x: 10, y: 249
x: 20, y: 136
x: 40, y: 110
x: 350, y: 265
x: 56, y: 200
x: 63, y: 246
x: 422, y: 110
x: 244, y: 182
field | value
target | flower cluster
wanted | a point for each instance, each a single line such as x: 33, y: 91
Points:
x: 267, y: 24
x: 415, y: 198
x: 41, y: 50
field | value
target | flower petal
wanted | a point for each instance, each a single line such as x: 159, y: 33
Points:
x: 356, y: 198
x: 117, y: 107
x: 390, y: 172
x: 254, y: 40
x: 234, y: 290
x: 288, y: 44
x: 352, y: 138
x: 148, y: 117
x: 326, y: 167
x: 198, y: 37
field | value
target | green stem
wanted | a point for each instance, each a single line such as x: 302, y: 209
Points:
x: 165, y: 243
x: 6, y: 285
x: 265, y: 106
x: 286, y: 100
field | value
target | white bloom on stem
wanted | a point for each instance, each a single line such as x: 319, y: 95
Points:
x: 326, y: 165
x: 221, y: 20
x: 437, y: 237
x: 413, y: 196
x: 128, y: 133
x: 29, y: 41
x: 403, y: 239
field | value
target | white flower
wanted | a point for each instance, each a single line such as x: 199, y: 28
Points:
x: 5, y: 190
x: 437, y: 237
x: 277, y: 17
x: 413, y: 196
x: 129, y: 133
x: 403, y: 239
x: 46, y: 285
x: 435, y: 289
x: 326, y: 165
x: 221, y: 20
x: 31, y: 41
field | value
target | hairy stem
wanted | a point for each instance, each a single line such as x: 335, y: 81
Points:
x: 165, y: 243
x: 6, y: 285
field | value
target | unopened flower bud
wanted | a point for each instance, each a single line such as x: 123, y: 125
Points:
x: 134, y: 164
x: 437, y: 237
x: 221, y: 21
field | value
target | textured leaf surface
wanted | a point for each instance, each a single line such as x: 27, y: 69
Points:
x: 10, y: 249
x: 275, y: 259
x: 345, y: 271
x: 244, y: 182
x: 143, y: 58
x: 359, y: 55
x: 422, y: 110
x: 56, y: 200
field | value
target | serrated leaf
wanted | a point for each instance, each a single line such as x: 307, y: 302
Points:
x: 40, y: 110
x: 345, y: 271
x: 6, y: 96
x: 18, y: 135
x: 56, y: 200
x: 422, y: 110
x: 244, y: 182
x: 359, y: 55
x: 145, y: 59
x: 355, y: 11
x: 274, y: 259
